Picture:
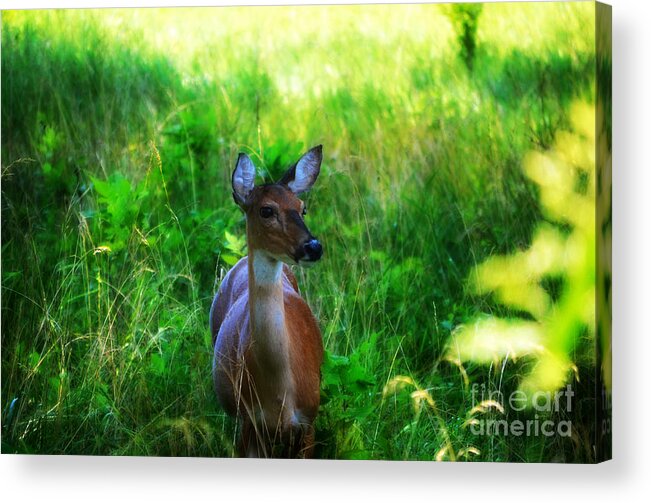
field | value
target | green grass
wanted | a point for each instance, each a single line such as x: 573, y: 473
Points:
x: 119, y: 133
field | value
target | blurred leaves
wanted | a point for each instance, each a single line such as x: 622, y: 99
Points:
x: 563, y: 247
x: 491, y: 339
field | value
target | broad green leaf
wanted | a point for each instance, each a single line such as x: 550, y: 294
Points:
x: 34, y: 358
x: 230, y: 259
x: 157, y: 364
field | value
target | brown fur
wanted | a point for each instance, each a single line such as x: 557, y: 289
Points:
x: 268, y: 374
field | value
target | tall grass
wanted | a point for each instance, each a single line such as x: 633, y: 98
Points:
x: 119, y: 131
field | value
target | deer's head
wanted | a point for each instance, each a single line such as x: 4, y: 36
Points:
x: 274, y: 213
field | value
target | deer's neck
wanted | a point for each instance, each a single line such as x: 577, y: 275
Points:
x: 270, y: 341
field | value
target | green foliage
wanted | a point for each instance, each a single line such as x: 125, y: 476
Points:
x: 346, y: 396
x: 118, y: 208
x: 118, y: 142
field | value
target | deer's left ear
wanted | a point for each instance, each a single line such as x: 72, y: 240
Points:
x: 302, y: 176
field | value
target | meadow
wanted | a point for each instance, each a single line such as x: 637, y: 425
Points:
x: 120, y: 130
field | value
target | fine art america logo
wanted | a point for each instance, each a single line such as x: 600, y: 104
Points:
x: 543, y: 405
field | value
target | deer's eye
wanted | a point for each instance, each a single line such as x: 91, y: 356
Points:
x: 266, y: 212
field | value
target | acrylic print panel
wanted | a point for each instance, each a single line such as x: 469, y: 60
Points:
x: 341, y: 232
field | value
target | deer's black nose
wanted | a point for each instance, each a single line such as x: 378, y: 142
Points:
x: 313, y: 250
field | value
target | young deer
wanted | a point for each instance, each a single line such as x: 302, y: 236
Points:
x: 267, y: 343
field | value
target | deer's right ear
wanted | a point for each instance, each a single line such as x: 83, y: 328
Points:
x: 243, y: 179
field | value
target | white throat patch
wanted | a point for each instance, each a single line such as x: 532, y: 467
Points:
x: 266, y: 269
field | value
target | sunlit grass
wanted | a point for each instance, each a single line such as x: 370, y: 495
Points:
x: 120, y: 128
